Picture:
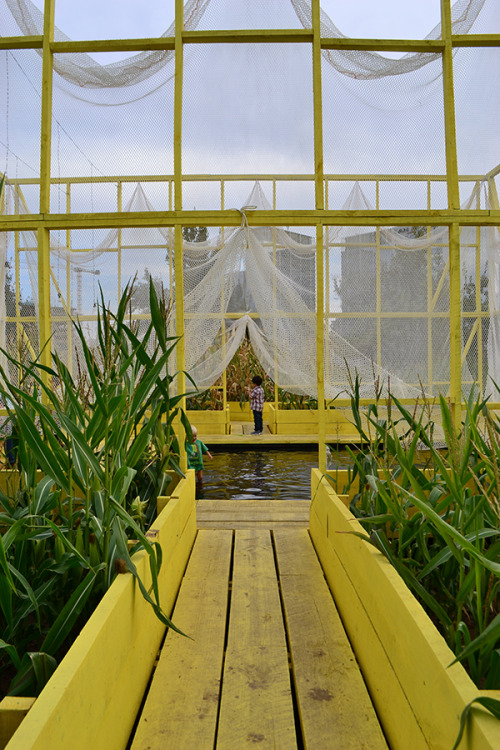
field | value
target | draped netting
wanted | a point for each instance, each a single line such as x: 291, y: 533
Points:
x: 261, y: 282
x: 85, y: 72
x: 247, y: 113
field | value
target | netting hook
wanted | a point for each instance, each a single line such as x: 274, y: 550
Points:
x: 244, y: 220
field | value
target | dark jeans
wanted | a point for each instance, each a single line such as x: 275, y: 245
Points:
x: 257, y: 420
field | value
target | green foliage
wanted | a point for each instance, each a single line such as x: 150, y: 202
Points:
x: 92, y: 459
x: 195, y: 234
x: 435, y: 515
x: 239, y: 374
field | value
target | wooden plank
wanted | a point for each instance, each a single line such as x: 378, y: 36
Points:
x: 251, y: 525
x: 258, y: 509
x: 240, y: 514
x: 182, y: 704
x: 334, y: 706
x: 256, y: 704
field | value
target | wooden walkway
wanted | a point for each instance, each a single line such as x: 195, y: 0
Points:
x: 245, y: 514
x: 267, y: 662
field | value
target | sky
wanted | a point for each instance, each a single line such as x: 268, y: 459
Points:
x: 388, y: 19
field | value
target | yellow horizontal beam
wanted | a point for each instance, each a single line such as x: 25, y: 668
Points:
x: 251, y: 178
x: 232, y: 36
x: 264, y: 36
x: 113, y: 45
x: 384, y: 45
x: 231, y: 218
x: 21, y: 42
x: 476, y: 40
x: 286, y: 36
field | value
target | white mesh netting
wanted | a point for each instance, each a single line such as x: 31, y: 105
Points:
x: 386, y: 290
x: 263, y: 281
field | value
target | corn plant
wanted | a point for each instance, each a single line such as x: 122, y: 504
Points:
x: 435, y: 515
x: 239, y: 373
x: 81, y: 445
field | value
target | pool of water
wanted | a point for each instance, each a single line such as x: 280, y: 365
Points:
x: 268, y: 474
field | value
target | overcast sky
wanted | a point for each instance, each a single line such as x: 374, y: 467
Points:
x: 94, y: 19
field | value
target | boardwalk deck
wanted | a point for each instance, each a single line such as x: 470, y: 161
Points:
x: 244, y: 514
x: 267, y: 661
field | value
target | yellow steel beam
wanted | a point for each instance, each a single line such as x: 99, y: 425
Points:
x: 455, y: 324
x: 253, y: 36
x: 21, y: 42
x: 178, y: 258
x: 449, y: 110
x: 257, y: 176
x: 43, y: 232
x: 475, y: 40
x: 113, y: 45
x: 320, y: 205
x: 384, y: 45
x: 453, y: 204
x: 232, y: 218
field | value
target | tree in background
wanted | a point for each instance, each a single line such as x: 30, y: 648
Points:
x: 195, y: 234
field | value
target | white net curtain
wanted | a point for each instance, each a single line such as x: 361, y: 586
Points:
x: 248, y: 110
x: 262, y: 283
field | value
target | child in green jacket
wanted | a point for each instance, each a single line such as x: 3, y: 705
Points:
x: 195, y: 451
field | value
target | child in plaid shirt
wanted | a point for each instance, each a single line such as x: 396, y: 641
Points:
x: 257, y: 404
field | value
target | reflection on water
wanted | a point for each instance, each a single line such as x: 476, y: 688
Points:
x: 266, y: 474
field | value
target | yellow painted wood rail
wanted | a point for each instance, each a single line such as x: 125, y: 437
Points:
x: 268, y: 662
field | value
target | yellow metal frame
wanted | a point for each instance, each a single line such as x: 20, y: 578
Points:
x: 321, y: 217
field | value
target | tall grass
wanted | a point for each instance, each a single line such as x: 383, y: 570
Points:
x: 435, y: 515
x: 92, y: 455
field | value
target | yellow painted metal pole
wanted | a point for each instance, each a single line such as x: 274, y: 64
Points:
x: 224, y: 374
x: 275, y: 308
x: 119, y: 202
x: 478, y: 300
x: 319, y: 204
x: 328, y: 311
x: 378, y: 266
x: 455, y: 325
x: 69, y: 326
x: 43, y: 234
x: 453, y: 204
x: 430, y: 367
x: 178, y: 239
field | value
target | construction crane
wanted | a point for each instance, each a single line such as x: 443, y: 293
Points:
x: 79, y: 270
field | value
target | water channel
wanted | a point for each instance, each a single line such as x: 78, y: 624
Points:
x: 265, y: 474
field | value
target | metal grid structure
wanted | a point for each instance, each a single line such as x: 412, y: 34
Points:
x: 447, y: 318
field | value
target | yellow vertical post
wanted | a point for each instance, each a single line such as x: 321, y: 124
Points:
x: 69, y: 326
x: 43, y: 237
x: 179, y: 256
x: 478, y: 300
x: 320, y: 204
x: 222, y: 302
x: 378, y: 266
x: 19, y: 335
x: 119, y: 203
x: 328, y: 312
x: 275, y: 308
x: 453, y: 204
x: 430, y: 295
x: 171, y: 236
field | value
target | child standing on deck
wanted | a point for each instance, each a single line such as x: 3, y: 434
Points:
x: 195, y: 451
x: 257, y: 404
